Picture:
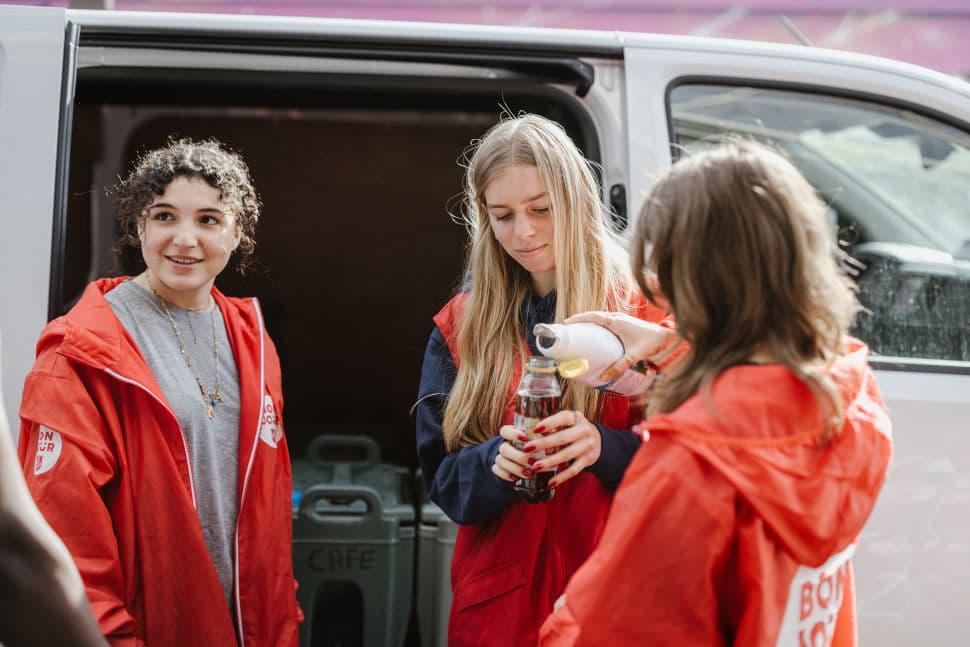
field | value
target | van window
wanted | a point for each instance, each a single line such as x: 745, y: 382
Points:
x: 898, y: 185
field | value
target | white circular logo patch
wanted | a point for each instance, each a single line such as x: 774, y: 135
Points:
x: 48, y: 450
x: 269, y: 428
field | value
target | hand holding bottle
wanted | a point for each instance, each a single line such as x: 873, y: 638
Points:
x: 574, y: 441
x: 510, y: 463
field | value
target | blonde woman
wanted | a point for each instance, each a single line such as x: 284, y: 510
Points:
x: 540, y: 250
x: 737, y: 520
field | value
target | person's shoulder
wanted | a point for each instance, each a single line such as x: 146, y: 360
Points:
x: 458, y: 299
x: 662, y: 459
x: 246, y: 307
x: 450, y: 313
x: 88, y: 328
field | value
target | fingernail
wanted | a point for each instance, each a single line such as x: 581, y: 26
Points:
x: 531, y: 461
x: 529, y: 448
x: 550, y: 451
x: 537, y: 467
x: 523, y: 438
x: 527, y: 472
x: 539, y: 429
x: 512, y: 478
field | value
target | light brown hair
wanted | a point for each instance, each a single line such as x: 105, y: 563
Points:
x: 591, y: 273
x: 741, y: 248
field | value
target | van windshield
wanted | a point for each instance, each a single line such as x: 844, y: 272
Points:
x: 917, y: 169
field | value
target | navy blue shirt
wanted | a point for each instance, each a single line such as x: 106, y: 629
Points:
x: 462, y: 483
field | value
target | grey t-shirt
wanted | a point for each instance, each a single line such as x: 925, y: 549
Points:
x: 213, y: 444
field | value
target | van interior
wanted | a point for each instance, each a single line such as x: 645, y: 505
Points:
x: 356, y: 247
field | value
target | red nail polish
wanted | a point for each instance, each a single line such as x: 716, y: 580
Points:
x: 531, y: 461
x: 539, y: 429
x: 529, y: 448
x: 537, y: 467
x: 550, y: 451
x: 523, y: 438
x: 527, y: 472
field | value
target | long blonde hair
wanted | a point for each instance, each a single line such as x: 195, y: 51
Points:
x: 742, y: 250
x: 591, y: 273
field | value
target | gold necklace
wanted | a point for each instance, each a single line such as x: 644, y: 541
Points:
x: 209, y: 398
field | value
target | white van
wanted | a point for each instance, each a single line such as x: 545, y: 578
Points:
x: 353, y: 129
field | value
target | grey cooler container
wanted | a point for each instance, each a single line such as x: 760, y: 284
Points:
x: 436, y: 545
x: 353, y: 546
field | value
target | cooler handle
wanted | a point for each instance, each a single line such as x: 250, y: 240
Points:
x: 345, y: 493
x: 316, y: 452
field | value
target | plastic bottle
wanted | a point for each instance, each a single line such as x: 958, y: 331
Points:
x: 538, y: 396
x: 599, y: 348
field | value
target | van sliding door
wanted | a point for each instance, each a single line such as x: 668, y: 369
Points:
x: 36, y: 91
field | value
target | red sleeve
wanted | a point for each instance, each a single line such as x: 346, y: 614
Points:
x: 67, y: 464
x: 652, y: 579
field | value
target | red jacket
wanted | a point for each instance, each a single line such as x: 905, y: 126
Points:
x: 507, y: 573
x: 733, y: 524
x: 107, y: 463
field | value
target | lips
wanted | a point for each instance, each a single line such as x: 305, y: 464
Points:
x: 186, y: 261
x: 532, y: 251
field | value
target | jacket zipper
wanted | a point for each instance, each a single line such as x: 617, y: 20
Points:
x: 249, y: 466
x: 185, y: 441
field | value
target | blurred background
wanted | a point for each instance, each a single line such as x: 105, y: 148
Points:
x: 931, y: 33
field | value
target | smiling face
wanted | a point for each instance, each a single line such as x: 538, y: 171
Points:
x: 187, y: 236
x: 520, y: 214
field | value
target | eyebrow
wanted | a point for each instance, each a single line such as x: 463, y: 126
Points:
x: 165, y: 205
x: 544, y: 194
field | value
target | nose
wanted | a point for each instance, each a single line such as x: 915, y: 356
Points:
x: 524, y: 228
x: 186, y: 235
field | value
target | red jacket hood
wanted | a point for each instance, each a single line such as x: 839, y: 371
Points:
x: 91, y: 333
x: 760, y: 427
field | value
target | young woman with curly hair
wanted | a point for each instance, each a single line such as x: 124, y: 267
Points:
x: 151, y: 435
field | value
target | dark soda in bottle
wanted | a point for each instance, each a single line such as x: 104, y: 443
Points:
x: 538, y: 396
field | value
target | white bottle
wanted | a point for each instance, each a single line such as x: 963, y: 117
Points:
x: 599, y: 348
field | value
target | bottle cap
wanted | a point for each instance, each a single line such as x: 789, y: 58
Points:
x: 540, y: 365
x: 571, y: 368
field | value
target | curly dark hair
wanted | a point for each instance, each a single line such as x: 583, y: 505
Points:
x: 208, y: 160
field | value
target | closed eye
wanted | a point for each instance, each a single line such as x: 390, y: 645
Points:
x: 504, y: 217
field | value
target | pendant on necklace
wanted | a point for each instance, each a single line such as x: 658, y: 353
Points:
x: 209, y: 411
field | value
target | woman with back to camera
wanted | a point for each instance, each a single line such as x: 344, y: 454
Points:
x: 151, y: 436
x: 738, y: 517
x: 540, y: 250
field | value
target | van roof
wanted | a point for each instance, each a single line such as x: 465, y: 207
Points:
x: 593, y: 43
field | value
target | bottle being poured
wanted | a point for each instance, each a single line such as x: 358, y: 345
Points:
x: 585, y: 350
